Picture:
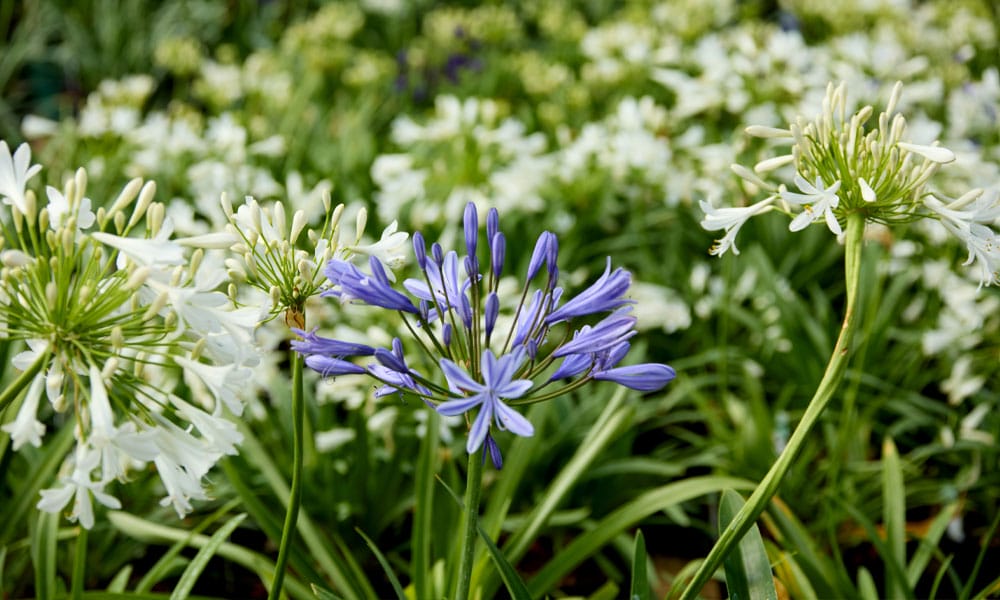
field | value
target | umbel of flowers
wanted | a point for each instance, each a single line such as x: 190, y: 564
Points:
x: 843, y: 167
x: 486, y: 352
x: 111, y: 310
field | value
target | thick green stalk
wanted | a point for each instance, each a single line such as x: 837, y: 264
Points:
x: 295, y: 497
x: 22, y: 382
x: 824, y: 392
x: 473, y: 487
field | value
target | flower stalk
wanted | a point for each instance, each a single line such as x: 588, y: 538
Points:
x: 821, y: 398
x: 473, y: 487
x: 295, y: 496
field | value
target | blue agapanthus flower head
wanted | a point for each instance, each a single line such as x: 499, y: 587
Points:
x: 483, y: 352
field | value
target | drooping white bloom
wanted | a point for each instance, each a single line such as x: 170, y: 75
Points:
x: 219, y: 433
x: 982, y: 242
x: 79, y: 487
x: 223, y: 381
x: 817, y: 202
x: 15, y: 171
x: 116, y: 446
x: 182, y: 462
x: 26, y: 427
x: 731, y: 219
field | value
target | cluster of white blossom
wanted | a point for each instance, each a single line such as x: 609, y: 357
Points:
x: 114, y: 312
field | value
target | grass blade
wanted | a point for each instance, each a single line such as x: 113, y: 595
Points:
x: 254, y: 562
x: 929, y: 543
x: 515, y: 585
x: 423, y: 511
x: 194, y: 570
x: 639, y: 589
x: 43, y: 554
x: 625, y: 517
x: 384, y: 564
x: 893, y: 516
x: 748, y: 570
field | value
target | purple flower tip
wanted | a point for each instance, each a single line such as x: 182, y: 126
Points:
x: 498, y: 249
x: 330, y: 367
x: 374, y: 289
x: 471, y: 223
x: 607, y: 293
x: 647, y: 377
x: 420, y: 250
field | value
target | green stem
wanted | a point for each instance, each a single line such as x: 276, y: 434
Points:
x: 22, y: 382
x: 824, y: 392
x: 79, y: 565
x: 295, y: 497
x: 473, y: 486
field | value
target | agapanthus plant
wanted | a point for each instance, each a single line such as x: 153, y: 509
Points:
x: 111, y: 309
x: 483, y: 353
x: 848, y: 176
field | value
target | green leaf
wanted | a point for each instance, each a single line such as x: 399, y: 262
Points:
x: 893, y: 569
x: 423, y: 511
x: 193, y: 571
x: 627, y: 516
x: 608, y: 591
x: 323, y: 594
x: 792, y: 575
x: 43, y: 554
x: 639, y: 589
x: 866, y: 585
x: 120, y: 580
x: 386, y: 567
x: 893, y: 516
x: 748, y: 570
x: 929, y: 543
x: 983, y: 550
x: 172, y: 562
x: 254, y: 562
x: 54, y: 452
x: 515, y: 585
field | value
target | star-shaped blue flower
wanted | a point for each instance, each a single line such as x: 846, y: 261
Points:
x: 499, y: 383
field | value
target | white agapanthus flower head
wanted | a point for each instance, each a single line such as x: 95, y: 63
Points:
x: 105, y: 301
x: 842, y: 166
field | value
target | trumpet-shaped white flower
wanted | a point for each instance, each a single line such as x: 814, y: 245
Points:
x: 15, y: 171
x: 79, y: 487
x: 26, y: 427
x: 223, y: 381
x: 181, y: 463
x: 817, y: 202
x: 116, y: 446
x: 731, y: 219
x: 982, y: 242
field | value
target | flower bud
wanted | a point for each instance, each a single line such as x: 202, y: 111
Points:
x: 498, y: 249
x: 420, y: 250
